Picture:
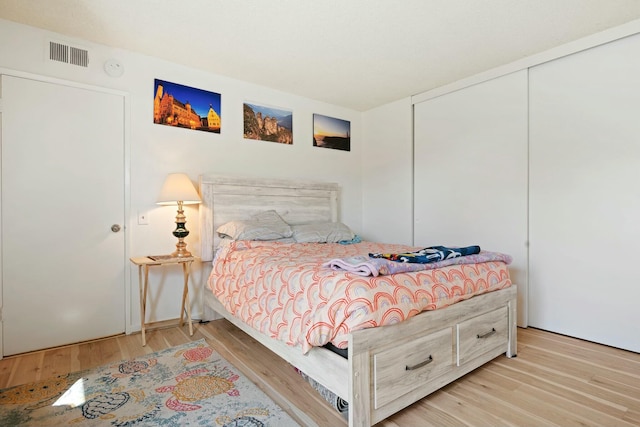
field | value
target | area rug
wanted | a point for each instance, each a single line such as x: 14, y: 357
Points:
x: 188, y: 385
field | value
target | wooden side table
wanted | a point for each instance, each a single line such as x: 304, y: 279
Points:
x: 144, y: 263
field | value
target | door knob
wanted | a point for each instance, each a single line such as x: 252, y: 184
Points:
x: 115, y: 228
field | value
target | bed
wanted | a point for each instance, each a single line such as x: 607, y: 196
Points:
x: 388, y: 367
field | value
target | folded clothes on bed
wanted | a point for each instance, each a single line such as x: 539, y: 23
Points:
x: 430, y: 254
x: 364, y: 265
x: 358, y: 264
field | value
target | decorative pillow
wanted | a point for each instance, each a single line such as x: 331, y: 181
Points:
x: 266, y: 225
x: 322, y: 232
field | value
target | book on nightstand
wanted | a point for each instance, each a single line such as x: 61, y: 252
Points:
x: 162, y: 257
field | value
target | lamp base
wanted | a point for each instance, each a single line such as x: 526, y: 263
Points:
x: 181, y: 232
x: 181, y: 250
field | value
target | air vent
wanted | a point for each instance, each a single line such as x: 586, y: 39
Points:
x: 58, y: 52
x: 68, y: 54
x: 79, y: 57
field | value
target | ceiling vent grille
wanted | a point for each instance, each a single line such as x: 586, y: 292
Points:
x: 79, y: 57
x: 68, y: 54
x: 58, y: 52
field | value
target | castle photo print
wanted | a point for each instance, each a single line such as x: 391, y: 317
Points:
x: 186, y: 107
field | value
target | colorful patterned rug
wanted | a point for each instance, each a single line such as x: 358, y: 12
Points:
x: 188, y: 385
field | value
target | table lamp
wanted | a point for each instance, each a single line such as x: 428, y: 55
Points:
x: 178, y: 189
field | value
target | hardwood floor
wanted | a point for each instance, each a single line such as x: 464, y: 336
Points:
x: 554, y: 381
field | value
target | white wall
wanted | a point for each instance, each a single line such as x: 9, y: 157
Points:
x: 156, y: 150
x: 387, y: 173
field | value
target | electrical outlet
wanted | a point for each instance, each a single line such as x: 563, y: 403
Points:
x: 143, y: 218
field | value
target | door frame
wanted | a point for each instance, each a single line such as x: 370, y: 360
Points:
x: 127, y: 182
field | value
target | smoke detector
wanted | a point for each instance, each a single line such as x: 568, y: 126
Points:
x: 113, y: 67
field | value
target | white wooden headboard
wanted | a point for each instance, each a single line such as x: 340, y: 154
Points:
x: 228, y: 198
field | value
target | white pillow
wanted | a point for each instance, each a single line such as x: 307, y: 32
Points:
x: 266, y: 225
x: 322, y: 232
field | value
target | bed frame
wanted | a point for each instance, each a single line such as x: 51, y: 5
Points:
x: 390, y: 367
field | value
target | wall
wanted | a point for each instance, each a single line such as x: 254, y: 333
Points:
x: 387, y: 173
x: 156, y: 150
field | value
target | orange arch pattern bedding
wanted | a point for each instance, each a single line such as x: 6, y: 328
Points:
x: 282, y: 290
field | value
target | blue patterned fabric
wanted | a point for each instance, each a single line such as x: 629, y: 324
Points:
x: 430, y: 254
x: 356, y: 239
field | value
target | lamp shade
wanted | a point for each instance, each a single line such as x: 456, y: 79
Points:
x: 178, y: 188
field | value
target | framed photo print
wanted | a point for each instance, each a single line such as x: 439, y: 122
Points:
x: 186, y: 107
x: 329, y: 132
x: 267, y: 123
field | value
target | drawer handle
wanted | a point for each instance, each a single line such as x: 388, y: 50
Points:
x: 488, y: 334
x: 419, y: 365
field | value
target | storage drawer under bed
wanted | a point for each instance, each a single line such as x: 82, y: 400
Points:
x: 482, y: 334
x: 401, y: 369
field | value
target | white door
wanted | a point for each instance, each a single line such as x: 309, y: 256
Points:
x: 62, y: 190
x: 470, y: 172
x: 585, y: 196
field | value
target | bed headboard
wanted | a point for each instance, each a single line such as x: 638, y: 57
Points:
x: 227, y: 198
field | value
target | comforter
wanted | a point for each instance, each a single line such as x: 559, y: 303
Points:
x: 284, y: 291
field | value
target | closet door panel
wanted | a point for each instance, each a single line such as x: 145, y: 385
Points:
x: 470, y: 172
x: 584, y: 194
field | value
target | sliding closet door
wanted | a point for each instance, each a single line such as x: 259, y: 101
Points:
x: 470, y: 172
x: 585, y: 194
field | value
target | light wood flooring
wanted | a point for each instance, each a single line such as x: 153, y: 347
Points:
x: 554, y: 381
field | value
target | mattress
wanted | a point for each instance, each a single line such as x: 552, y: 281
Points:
x: 283, y: 290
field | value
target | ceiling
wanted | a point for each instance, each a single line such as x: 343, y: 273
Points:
x: 354, y: 53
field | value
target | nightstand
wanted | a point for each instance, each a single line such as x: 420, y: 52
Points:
x: 144, y: 263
